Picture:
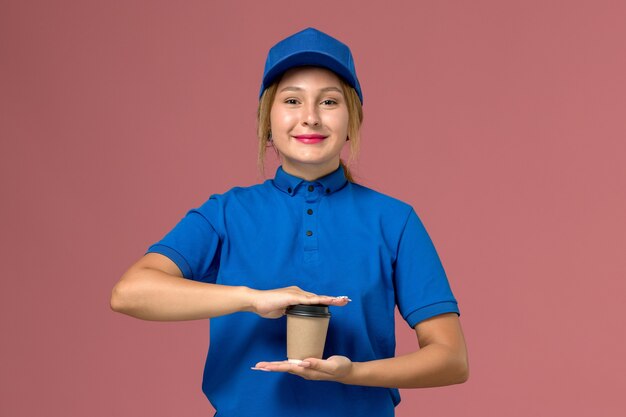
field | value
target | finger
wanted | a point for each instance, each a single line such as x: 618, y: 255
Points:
x: 301, y: 369
x: 327, y: 299
x: 319, y: 365
x: 267, y: 363
x: 299, y: 291
x: 284, y: 366
x: 304, y: 370
x: 332, y: 367
x: 341, y: 300
x: 277, y: 365
x: 280, y: 367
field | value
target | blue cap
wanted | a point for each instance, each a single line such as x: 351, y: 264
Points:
x: 310, y: 47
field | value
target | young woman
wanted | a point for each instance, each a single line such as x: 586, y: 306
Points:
x: 310, y: 235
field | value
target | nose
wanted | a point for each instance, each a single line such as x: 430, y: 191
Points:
x: 310, y: 116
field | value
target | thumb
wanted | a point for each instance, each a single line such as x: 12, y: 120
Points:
x: 314, y: 363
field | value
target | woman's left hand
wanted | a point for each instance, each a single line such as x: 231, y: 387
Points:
x: 335, y: 368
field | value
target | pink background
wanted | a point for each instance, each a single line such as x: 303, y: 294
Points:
x: 502, y: 122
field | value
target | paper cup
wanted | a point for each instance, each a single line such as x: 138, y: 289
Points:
x: 307, y: 326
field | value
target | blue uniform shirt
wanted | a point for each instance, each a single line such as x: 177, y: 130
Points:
x: 328, y: 236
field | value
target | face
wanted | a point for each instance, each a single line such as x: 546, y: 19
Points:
x: 309, y: 121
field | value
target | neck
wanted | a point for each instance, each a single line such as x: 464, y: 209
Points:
x: 310, y: 172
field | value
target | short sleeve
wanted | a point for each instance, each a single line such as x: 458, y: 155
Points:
x: 194, y: 244
x: 421, y: 284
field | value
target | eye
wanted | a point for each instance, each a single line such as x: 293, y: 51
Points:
x: 291, y: 101
x: 329, y: 102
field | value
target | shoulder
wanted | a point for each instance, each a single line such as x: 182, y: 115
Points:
x: 233, y: 203
x: 381, y: 202
x: 236, y: 195
x: 245, y: 194
x: 379, y: 211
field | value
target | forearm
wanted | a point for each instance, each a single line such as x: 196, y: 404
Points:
x: 150, y: 294
x: 432, y: 366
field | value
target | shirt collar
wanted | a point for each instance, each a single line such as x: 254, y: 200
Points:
x: 289, y: 183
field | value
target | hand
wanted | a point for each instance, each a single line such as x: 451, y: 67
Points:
x: 335, y: 368
x: 273, y: 303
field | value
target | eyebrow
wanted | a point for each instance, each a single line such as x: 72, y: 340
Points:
x: 294, y: 88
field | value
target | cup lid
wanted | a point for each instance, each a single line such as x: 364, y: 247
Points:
x: 308, y: 310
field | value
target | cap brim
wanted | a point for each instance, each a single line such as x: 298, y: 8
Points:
x: 313, y: 58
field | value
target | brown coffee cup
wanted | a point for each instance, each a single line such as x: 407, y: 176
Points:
x: 307, y: 326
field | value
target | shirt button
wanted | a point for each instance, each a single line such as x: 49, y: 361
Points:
x: 328, y: 191
x: 309, y: 233
x: 309, y: 211
x: 289, y: 190
x: 311, y: 188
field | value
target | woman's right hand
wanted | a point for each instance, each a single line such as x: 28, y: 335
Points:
x: 272, y: 304
x: 154, y: 289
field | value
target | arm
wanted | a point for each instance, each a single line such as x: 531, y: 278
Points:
x: 441, y: 360
x: 154, y: 289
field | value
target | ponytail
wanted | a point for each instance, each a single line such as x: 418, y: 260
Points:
x: 346, y: 170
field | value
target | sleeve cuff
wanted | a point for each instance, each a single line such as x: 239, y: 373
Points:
x: 431, y: 310
x: 176, y: 257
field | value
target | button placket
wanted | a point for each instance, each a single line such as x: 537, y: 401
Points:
x: 312, y: 198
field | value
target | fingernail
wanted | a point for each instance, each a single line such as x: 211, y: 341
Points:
x: 304, y: 364
x: 341, y: 297
x: 260, y: 369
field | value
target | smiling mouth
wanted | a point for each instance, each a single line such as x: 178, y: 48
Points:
x: 310, y: 140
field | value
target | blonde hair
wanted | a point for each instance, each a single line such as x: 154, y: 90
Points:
x: 355, y: 119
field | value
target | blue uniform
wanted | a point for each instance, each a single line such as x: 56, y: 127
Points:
x: 328, y: 236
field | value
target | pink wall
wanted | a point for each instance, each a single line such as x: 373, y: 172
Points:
x: 502, y: 123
